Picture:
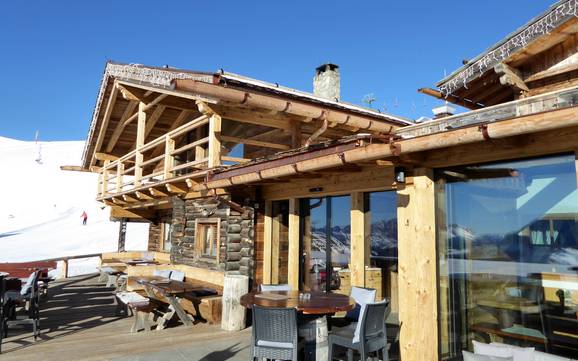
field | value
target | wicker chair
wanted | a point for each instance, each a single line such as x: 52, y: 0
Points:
x: 269, y: 288
x: 274, y: 333
x: 366, y: 336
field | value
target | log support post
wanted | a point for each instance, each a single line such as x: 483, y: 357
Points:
x: 417, y: 259
x: 169, y: 158
x: 214, y: 141
x: 358, y: 239
x: 267, y: 260
x: 140, y: 139
x: 293, y: 266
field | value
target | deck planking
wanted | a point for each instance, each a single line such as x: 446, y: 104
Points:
x: 78, y: 322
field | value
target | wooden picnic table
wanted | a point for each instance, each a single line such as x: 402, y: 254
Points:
x: 173, y: 291
x: 313, y: 303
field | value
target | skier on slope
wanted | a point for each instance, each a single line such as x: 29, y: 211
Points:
x: 84, y: 218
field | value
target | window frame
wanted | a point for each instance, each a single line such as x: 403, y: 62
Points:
x: 200, y: 225
x: 164, y: 226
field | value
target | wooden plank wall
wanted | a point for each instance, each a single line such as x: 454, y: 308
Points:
x: 417, y: 267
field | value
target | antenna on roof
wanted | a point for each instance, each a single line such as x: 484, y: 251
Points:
x: 39, y: 146
x: 369, y: 99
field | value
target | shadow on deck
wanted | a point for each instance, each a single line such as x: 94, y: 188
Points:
x: 78, y: 322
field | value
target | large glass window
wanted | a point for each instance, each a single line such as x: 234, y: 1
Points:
x: 326, y: 242
x: 508, y: 255
x: 381, y: 219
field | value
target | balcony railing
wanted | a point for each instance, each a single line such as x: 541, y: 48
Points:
x: 134, y: 169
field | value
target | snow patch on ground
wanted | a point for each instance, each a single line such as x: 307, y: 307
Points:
x: 41, y: 207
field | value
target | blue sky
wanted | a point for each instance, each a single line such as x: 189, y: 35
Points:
x: 52, y: 53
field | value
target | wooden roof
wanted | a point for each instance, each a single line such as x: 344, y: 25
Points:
x: 124, y: 85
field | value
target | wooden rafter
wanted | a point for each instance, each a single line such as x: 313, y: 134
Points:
x: 104, y: 156
x: 180, y: 120
x: 105, y: 120
x: 157, y: 193
x: 153, y: 119
x: 119, y: 127
x: 124, y: 122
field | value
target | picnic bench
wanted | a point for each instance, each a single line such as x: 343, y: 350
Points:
x: 172, y: 292
x: 208, y: 306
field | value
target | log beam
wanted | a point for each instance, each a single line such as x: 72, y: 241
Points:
x: 511, y: 77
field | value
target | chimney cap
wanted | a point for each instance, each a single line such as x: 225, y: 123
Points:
x: 444, y: 110
x: 325, y: 67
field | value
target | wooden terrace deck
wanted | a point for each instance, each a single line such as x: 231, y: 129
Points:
x: 78, y: 322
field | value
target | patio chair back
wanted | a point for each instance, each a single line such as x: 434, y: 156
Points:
x: 274, y: 333
x: 373, y: 319
x: 361, y: 296
x: 281, y: 287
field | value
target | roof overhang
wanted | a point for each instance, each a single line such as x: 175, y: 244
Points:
x: 525, y: 41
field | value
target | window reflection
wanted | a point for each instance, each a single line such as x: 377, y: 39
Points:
x: 507, y: 255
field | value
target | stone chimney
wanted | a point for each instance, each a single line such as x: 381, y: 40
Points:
x: 326, y: 83
x: 443, y: 111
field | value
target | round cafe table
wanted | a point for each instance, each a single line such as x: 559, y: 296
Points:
x: 315, y: 306
x: 317, y: 303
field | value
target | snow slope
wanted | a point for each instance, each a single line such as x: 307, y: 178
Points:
x: 41, y: 206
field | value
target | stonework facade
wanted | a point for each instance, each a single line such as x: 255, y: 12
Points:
x: 236, y: 235
x: 155, y: 242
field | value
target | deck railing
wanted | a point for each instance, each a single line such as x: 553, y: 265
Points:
x: 128, y: 171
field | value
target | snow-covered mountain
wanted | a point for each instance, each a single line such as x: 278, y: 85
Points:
x: 41, y: 205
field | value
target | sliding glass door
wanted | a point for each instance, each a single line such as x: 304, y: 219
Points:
x: 325, y: 241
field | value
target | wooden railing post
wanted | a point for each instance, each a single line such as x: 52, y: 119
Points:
x: 214, y: 141
x: 105, y: 176
x: 119, y: 176
x: 140, y: 138
x: 169, y: 158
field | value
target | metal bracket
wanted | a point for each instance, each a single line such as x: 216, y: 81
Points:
x: 483, y: 128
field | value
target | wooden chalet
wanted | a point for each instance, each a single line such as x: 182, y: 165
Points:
x: 464, y: 221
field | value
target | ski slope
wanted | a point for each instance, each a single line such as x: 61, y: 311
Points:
x: 41, y: 207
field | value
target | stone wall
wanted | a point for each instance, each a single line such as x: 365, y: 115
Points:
x: 236, y: 235
x: 155, y: 228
